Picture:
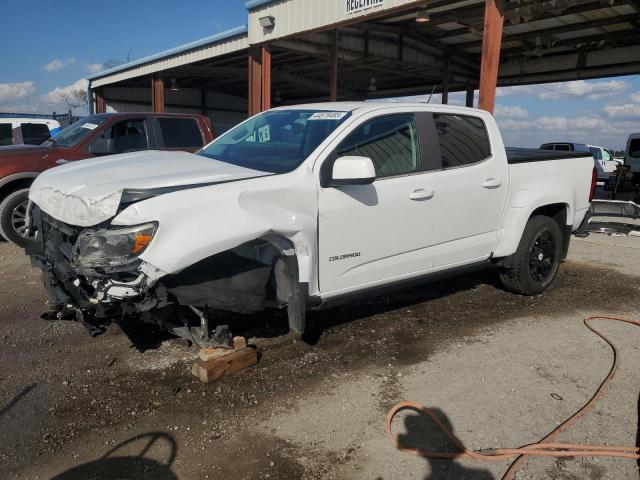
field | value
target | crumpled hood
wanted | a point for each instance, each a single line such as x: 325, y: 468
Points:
x: 88, y: 192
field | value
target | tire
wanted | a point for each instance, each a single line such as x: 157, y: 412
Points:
x: 13, y: 211
x: 533, y: 267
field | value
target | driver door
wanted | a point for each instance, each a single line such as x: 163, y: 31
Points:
x: 371, y: 233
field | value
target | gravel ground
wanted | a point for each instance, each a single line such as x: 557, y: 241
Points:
x: 73, y: 407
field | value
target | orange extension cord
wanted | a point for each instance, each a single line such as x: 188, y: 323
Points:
x: 545, y: 447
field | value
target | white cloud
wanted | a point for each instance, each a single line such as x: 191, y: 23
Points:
x: 510, y: 112
x: 635, y: 96
x: 629, y: 110
x: 15, y: 91
x: 57, y: 64
x: 94, y: 67
x: 578, y: 88
x: 58, y: 94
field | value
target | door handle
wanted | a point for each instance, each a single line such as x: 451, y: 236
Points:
x: 421, y: 194
x: 491, y: 183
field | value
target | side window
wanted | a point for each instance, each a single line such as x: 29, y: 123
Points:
x: 563, y: 147
x: 180, y: 133
x: 391, y: 142
x: 463, y: 140
x: 127, y: 136
x: 6, y: 134
x: 596, y: 152
x: 34, y: 133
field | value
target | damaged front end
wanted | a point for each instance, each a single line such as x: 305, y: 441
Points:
x: 96, y: 276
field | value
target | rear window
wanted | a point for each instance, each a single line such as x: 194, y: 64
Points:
x: 597, y: 154
x: 634, y: 148
x: 34, y: 133
x: 180, y: 133
x: 6, y: 134
x: 463, y: 140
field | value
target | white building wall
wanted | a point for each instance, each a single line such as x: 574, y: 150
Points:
x: 295, y: 16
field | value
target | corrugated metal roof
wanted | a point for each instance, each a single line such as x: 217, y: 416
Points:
x: 253, y: 4
x: 213, y: 39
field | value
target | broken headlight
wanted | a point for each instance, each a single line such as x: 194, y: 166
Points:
x: 112, y: 247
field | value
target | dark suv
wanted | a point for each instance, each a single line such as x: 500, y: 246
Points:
x: 96, y: 135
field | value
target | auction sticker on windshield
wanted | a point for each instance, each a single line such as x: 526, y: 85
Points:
x: 90, y: 126
x: 328, y: 116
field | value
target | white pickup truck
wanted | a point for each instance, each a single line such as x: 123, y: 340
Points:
x: 303, y: 207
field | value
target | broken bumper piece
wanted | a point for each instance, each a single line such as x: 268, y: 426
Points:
x: 613, y: 217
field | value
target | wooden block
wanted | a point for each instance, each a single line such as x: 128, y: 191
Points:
x: 239, y: 343
x: 211, y: 353
x: 214, y: 370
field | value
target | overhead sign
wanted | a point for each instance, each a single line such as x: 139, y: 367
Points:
x: 354, y: 6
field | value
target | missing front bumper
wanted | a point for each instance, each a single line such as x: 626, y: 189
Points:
x: 613, y: 217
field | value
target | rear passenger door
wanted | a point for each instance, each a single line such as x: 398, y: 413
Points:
x: 175, y: 133
x: 470, y: 189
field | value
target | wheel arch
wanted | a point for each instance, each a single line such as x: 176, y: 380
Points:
x: 17, y: 181
x: 513, y: 228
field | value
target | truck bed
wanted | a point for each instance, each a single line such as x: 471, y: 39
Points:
x: 524, y: 155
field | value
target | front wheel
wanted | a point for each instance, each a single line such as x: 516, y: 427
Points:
x: 13, y: 218
x: 533, y: 267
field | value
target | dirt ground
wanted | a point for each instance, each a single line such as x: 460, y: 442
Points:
x: 503, y: 370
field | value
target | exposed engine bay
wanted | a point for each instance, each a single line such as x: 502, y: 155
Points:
x: 90, y: 280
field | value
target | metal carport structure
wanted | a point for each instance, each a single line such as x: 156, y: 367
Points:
x: 295, y: 51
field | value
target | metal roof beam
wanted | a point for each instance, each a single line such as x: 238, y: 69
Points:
x: 573, y: 27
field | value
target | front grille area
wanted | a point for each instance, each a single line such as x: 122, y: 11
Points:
x: 52, y: 252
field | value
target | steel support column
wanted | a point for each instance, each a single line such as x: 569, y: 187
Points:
x: 445, y: 83
x: 157, y: 93
x: 266, y: 79
x: 101, y: 105
x: 259, y: 96
x: 333, y: 69
x: 470, y: 95
x: 491, y: 43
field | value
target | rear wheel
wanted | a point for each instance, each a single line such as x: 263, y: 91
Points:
x: 13, y: 218
x: 533, y: 267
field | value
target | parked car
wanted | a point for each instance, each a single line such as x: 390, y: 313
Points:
x: 626, y: 180
x: 369, y: 196
x: 27, y: 131
x: 97, y: 135
x: 604, y: 162
x: 632, y: 152
x: 565, y: 147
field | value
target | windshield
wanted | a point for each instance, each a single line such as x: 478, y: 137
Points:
x: 277, y: 141
x: 76, y: 132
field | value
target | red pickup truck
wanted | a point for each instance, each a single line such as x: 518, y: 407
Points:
x: 95, y: 135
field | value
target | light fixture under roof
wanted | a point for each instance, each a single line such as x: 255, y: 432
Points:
x: 267, y: 22
x: 423, y: 17
x: 174, y: 85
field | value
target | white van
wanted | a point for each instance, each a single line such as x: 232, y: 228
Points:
x: 28, y: 131
x: 632, y: 153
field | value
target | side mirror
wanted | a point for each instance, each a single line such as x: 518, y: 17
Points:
x: 102, y: 146
x: 352, y: 171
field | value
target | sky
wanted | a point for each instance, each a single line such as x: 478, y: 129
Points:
x: 49, y: 47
